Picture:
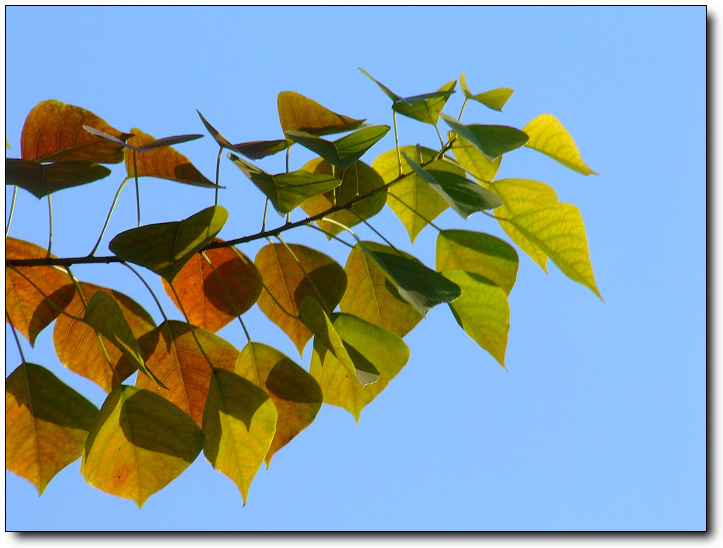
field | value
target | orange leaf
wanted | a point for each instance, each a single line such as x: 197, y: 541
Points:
x: 163, y: 162
x: 28, y: 309
x: 290, y: 285
x: 53, y: 131
x: 79, y: 349
x: 299, y: 113
x: 204, y: 297
x: 172, y: 353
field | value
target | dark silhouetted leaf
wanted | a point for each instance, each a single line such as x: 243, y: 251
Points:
x: 492, y: 141
x: 494, y: 99
x: 299, y: 113
x: 256, y: 150
x: 44, y: 179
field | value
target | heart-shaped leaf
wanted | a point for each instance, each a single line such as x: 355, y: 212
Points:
x: 550, y: 137
x: 44, y: 179
x: 299, y: 113
x: 53, y: 132
x: 494, y: 99
x: 165, y: 247
x: 47, y: 424
x: 492, y: 141
x: 345, y: 151
x: 286, y: 190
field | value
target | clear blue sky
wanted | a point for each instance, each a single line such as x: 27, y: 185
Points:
x: 600, y: 422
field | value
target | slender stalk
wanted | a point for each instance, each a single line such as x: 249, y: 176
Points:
x: 321, y: 299
x: 263, y: 221
x: 15, y: 334
x: 148, y: 287
x: 413, y: 210
x: 441, y: 141
x: 193, y: 332
x: 12, y: 210
x: 459, y: 118
x: 138, y: 191
x: 310, y: 225
x: 50, y: 216
x: 288, y: 151
x: 396, y: 140
x: 390, y: 244
x: 229, y: 297
x: 107, y: 220
x: 218, y: 167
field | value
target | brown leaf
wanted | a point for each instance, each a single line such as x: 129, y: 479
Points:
x: 299, y: 113
x: 204, y: 296
x: 53, y: 131
x: 79, y: 349
x: 290, y: 285
x: 29, y: 310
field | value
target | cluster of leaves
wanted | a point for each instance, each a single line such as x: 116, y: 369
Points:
x: 196, y: 391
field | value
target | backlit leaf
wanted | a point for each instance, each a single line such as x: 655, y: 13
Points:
x: 44, y: 179
x: 372, y: 297
x: 25, y: 301
x: 345, y: 151
x: 412, y: 199
x: 558, y: 230
x: 295, y: 393
x: 53, y: 132
x: 79, y: 348
x: 550, y: 137
x: 359, y: 179
x: 173, y: 353
x: 286, y: 190
x: 474, y: 162
x: 238, y: 426
x: 205, y: 297
x: 139, y: 444
x: 478, y: 253
x: 373, y: 349
x: 299, y: 113
x: 491, y: 140
x: 158, y: 159
x: 482, y: 311
x: 494, y: 99
x: 420, y: 286
x: 318, y: 276
x: 46, y: 424
x: 165, y: 247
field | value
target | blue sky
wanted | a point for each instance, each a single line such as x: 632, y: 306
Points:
x: 599, y: 422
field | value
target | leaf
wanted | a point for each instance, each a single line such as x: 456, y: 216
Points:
x: 491, y: 140
x: 372, y: 297
x: 139, y: 444
x: 474, y: 162
x: 157, y: 159
x: 165, y: 247
x: 494, y: 99
x: 463, y: 195
x: 299, y: 113
x: 238, y: 426
x: 478, y: 253
x: 145, y: 147
x: 214, y: 294
x: 372, y: 349
x: 44, y: 179
x: 345, y: 151
x: 46, y: 424
x: 413, y: 200
x: 25, y: 301
x: 420, y: 286
x: 358, y: 180
x: 521, y: 195
x: 104, y: 315
x: 78, y: 345
x: 286, y: 190
x: 53, y: 132
x: 558, y: 230
x: 425, y: 108
x: 256, y: 150
x: 290, y: 283
x: 549, y: 136
x: 172, y: 352
x: 482, y: 311
x: 296, y: 394
x: 222, y: 142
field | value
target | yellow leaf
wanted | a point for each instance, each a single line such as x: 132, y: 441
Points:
x: 550, y: 137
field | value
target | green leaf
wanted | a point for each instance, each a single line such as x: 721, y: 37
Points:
x: 299, y: 113
x: 44, y: 179
x: 494, y: 99
x: 139, y: 444
x: 420, y: 286
x: 104, y: 315
x: 465, y: 196
x: 46, y: 424
x: 478, y: 253
x: 286, y: 190
x: 220, y: 139
x: 256, y: 150
x: 372, y: 349
x: 296, y: 394
x: 482, y: 311
x: 239, y: 422
x: 550, y: 137
x: 474, y: 162
x: 558, y: 230
x: 492, y: 141
x: 345, y: 151
x: 165, y: 247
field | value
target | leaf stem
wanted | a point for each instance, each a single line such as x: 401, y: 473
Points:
x: 148, y: 287
x: 396, y: 140
x: 229, y: 297
x: 321, y: 299
x: 459, y: 118
x: 138, y: 191
x: 15, y: 334
x: 110, y: 213
x: 191, y: 328
x: 218, y: 167
x: 413, y: 210
x: 329, y: 234
x: 50, y: 216
x: 12, y: 210
x: 263, y: 221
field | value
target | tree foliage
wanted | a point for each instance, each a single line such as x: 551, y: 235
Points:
x: 197, y: 392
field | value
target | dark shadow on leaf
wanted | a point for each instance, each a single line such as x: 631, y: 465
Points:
x: 241, y: 282
x: 329, y: 279
x: 290, y: 382
x: 61, y: 298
